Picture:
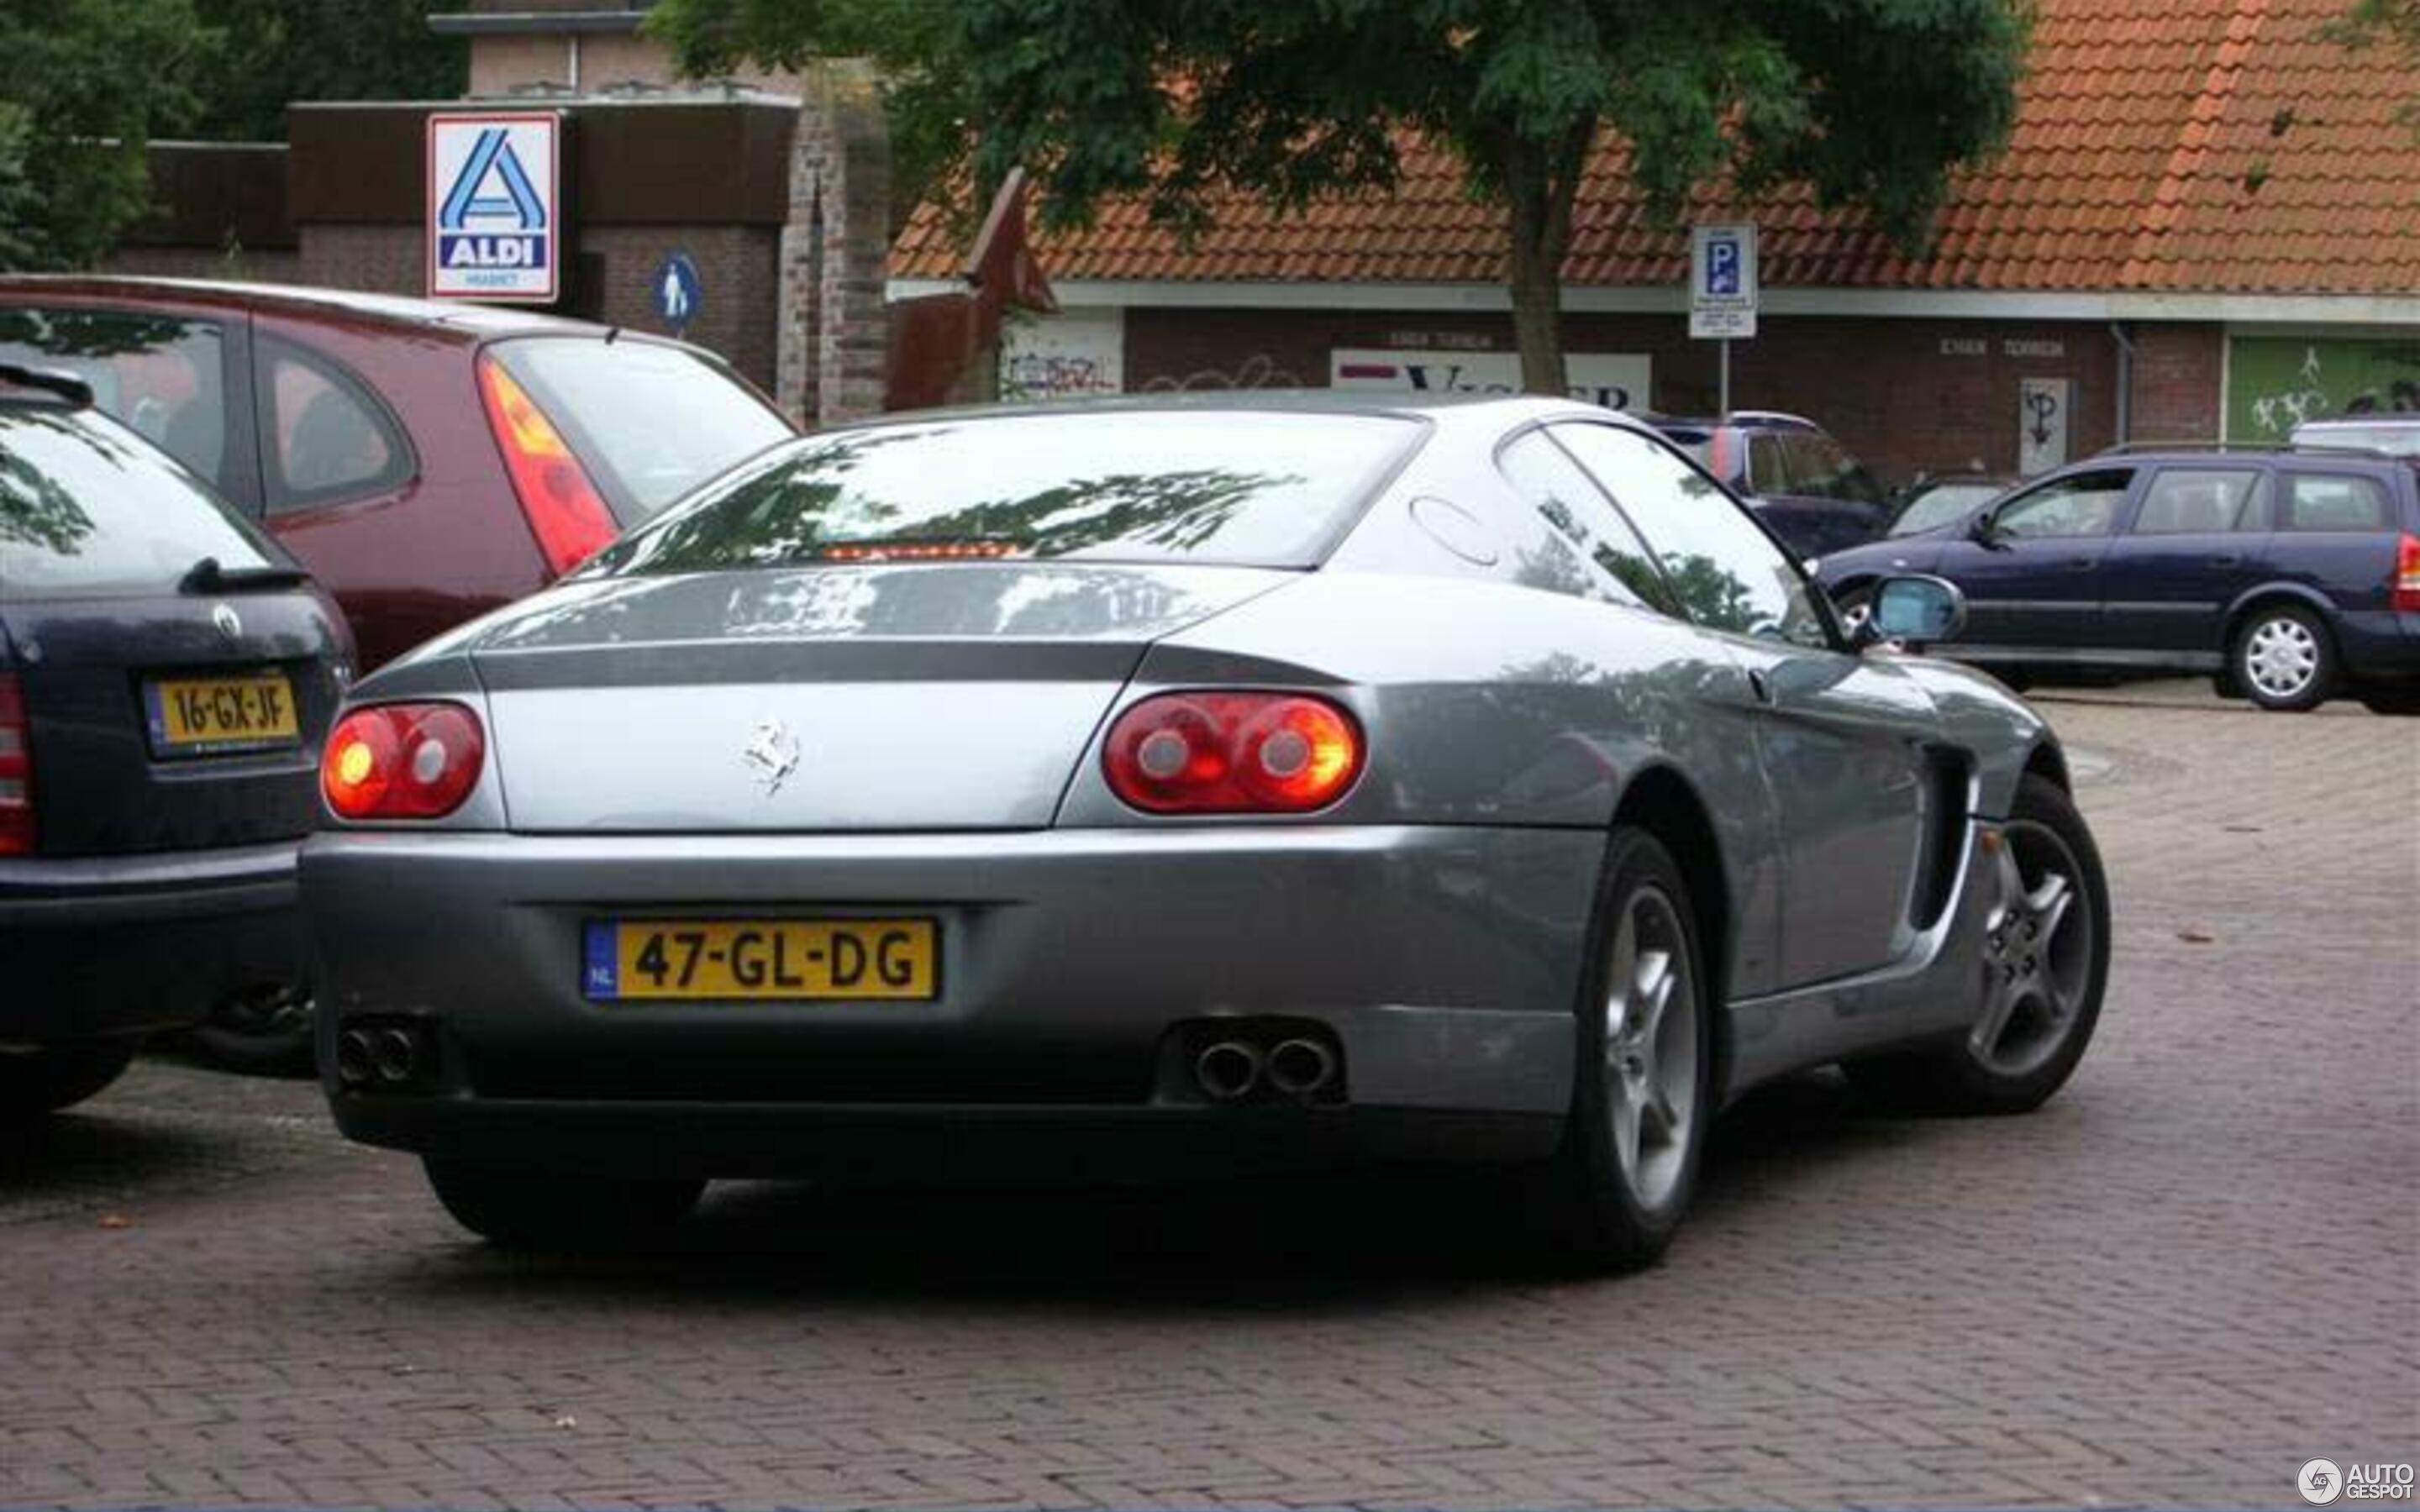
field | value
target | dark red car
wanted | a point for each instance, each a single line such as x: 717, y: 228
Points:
x: 426, y: 462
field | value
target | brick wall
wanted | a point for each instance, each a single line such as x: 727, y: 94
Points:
x: 1906, y: 394
x: 2176, y: 382
x: 834, y: 329
x: 736, y: 277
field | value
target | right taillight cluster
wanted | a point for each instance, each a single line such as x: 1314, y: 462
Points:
x: 402, y: 760
x: 564, y: 511
x: 2407, y: 576
x: 1237, y: 753
x: 16, y: 771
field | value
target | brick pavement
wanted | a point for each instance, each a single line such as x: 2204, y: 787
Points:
x: 2195, y: 1270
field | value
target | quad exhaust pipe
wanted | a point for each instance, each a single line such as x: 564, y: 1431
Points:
x: 1301, y: 1068
x: 388, y: 1054
x: 1296, y: 1068
x: 1227, y: 1069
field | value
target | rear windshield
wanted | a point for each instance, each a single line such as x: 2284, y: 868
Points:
x: 1260, y: 489
x: 162, y: 376
x: 89, y: 510
x: 650, y: 423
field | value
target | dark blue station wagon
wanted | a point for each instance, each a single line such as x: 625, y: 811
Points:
x: 2292, y: 575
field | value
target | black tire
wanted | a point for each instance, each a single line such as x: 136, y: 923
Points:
x: 261, y: 1033
x: 1606, y: 1216
x: 2286, y: 628
x: 527, y: 1207
x: 36, y: 1082
x: 1956, y: 1077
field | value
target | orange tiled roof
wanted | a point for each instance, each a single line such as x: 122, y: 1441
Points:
x: 2161, y: 146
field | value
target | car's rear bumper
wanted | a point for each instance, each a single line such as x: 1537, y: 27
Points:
x: 2378, y: 645
x: 1077, y: 968
x: 107, y: 946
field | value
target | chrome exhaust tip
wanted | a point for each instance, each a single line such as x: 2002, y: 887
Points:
x: 1300, y: 1067
x: 394, y: 1054
x: 354, y: 1062
x: 1227, y: 1069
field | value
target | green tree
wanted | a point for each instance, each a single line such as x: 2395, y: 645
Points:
x: 271, y: 52
x: 1868, y: 103
x: 83, y: 85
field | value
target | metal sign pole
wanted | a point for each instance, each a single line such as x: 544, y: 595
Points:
x: 1723, y: 399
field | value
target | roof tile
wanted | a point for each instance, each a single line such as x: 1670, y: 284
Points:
x: 2140, y: 138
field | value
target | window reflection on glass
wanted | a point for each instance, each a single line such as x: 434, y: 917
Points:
x: 2199, y: 501
x: 86, y: 509
x: 2336, y: 504
x: 2085, y: 504
x: 1581, y: 522
x: 164, y: 378
x: 1724, y: 571
x: 1257, y: 488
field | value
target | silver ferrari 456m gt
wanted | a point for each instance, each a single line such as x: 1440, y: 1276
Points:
x: 1165, y: 786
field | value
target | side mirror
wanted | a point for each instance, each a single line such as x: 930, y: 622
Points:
x: 1917, y: 610
x: 1985, y: 533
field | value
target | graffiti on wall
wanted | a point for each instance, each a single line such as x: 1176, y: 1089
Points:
x: 1258, y: 371
x: 2275, y: 383
x: 1070, y: 355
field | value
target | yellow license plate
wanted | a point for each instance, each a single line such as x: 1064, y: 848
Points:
x: 196, y: 715
x: 796, y: 960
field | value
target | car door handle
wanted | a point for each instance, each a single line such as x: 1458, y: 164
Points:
x: 2079, y: 564
x: 2227, y: 562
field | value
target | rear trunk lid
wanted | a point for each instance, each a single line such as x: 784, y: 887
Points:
x: 954, y: 696
x: 175, y: 669
x: 153, y: 727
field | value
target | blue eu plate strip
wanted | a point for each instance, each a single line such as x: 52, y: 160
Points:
x: 601, y: 971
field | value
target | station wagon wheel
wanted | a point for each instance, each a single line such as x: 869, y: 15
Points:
x: 2042, y: 964
x: 2283, y: 659
x: 1640, y: 1098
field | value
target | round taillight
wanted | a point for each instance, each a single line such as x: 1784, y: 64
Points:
x: 402, y: 760
x: 1232, y: 753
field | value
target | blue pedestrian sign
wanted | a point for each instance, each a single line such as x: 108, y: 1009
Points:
x: 676, y: 291
x: 1722, y: 281
x: 493, y: 228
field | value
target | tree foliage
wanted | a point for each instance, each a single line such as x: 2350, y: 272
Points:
x: 83, y: 84
x: 1869, y: 102
x: 270, y: 52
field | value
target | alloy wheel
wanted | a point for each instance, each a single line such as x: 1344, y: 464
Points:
x: 1650, y: 1046
x: 2038, y: 952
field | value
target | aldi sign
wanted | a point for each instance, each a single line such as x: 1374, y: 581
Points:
x: 494, y: 227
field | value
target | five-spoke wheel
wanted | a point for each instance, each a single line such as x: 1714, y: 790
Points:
x: 1639, y: 1106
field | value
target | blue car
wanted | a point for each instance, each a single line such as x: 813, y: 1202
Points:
x: 2292, y: 575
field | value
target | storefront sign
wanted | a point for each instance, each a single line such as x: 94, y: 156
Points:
x: 1618, y: 380
x: 494, y: 232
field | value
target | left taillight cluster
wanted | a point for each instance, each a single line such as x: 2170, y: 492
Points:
x: 402, y: 760
x: 16, y: 771
x: 1240, y: 752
